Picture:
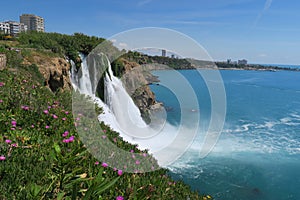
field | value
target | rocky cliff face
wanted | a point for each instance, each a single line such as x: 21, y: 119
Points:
x: 55, y: 71
x: 136, y: 81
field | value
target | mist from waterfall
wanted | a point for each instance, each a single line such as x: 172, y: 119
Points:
x: 119, y: 110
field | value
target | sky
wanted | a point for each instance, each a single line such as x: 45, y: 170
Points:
x: 261, y: 31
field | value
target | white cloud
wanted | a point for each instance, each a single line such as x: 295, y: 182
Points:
x: 123, y: 45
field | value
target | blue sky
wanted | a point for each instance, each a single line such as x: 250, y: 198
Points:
x: 262, y: 31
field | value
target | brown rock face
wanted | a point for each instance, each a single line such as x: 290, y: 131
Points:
x: 2, y: 61
x: 136, y: 80
x: 55, y: 71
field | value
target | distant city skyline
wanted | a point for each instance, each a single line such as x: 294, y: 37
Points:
x: 257, y: 30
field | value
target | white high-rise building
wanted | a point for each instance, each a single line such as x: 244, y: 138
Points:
x: 33, y: 22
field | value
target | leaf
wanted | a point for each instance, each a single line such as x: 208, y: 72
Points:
x: 60, y: 196
x: 57, y: 148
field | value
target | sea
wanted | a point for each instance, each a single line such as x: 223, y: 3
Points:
x: 257, y: 155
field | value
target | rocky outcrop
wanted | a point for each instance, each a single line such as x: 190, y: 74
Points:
x: 2, y: 61
x: 136, y: 80
x: 54, y: 70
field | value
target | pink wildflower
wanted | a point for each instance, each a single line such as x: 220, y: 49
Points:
x: 54, y: 116
x: 137, y: 162
x: 71, y: 139
x: 120, y: 172
x: 7, y: 141
x: 46, y: 111
x: 13, y: 123
x: 65, y: 134
x: 103, y: 136
x: 66, y: 112
x: 96, y: 163
x: 2, y: 84
x: 64, y: 119
x: 120, y: 198
x: 32, y: 126
x: 131, y: 151
x: 1, y: 101
x: 47, y: 126
x: 2, y: 158
x: 14, y: 145
x: 104, y: 165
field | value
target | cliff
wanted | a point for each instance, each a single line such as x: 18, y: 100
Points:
x: 54, y: 70
x: 136, y: 81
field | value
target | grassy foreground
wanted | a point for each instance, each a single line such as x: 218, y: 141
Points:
x: 41, y: 156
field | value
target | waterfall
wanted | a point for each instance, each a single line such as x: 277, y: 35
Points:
x: 120, y: 111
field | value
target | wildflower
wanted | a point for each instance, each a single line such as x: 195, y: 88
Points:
x: 120, y: 172
x: 7, y: 141
x: 137, y: 162
x: 104, y: 131
x: 1, y: 101
x: 78, y: 118
x: 104, y: 165
x: 115, y: 169
x: 115, y: 140
x: 25, y: 107
x: 49, y: 107
x: 103, y: 136
x: 71, y: 139
x: 66, y: 112
x: 2, y: 158
x: 65, y: 134
x: 131, y: 151
x: 120, y: 198
x: 64, y: 119
x: 54, y: 116
x: 47, y: 126
x: 12, y: 129
x: 14, y: 145
x: 66, y: 140
x: 13, y: 123
x: 96, y: 163
x: 32, y: 126
x: 46, y: 111
x: 2, y: 84
x: 144, y: 154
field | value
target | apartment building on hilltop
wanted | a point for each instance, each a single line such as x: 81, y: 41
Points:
x: 33, y: 22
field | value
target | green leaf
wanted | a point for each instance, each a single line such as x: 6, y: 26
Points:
x: 60, y: 196
x: 57, y: 148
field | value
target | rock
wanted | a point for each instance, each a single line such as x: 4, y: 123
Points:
x: 2, y: 61
x: 55, y: 71
x: 136, y: 81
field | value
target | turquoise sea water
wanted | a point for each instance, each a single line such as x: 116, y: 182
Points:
x: 258, y: 153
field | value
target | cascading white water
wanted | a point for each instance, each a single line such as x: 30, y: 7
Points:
x: 120, y: 112
x: 123, y: 116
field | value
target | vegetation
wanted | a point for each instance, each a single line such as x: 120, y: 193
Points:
x: 41, y: 155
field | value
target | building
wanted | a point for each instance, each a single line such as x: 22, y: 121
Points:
x: 33, y: 22
x: 4, y: 28
x: 163, y: 53
x: 242, y: 62
x: 15, y: 27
